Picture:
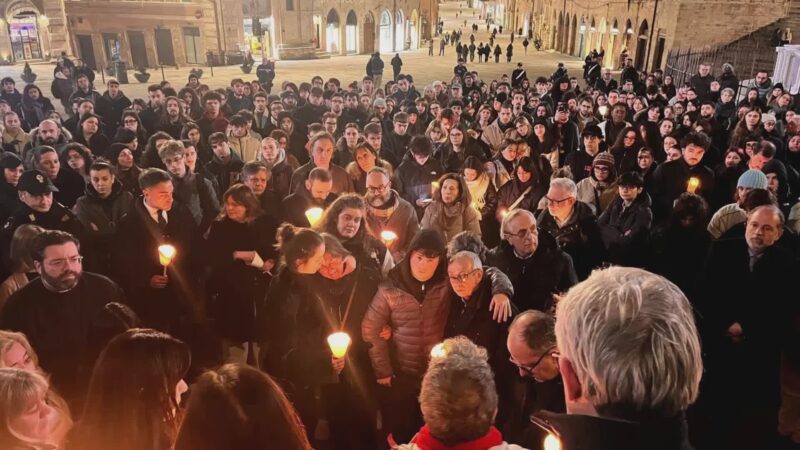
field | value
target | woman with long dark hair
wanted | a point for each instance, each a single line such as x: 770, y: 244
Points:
x: 747, y: 129
x: 77, y: 158
x: 364, y: 159
x: 239, y: 407
x: 241, y: 253
x: 191, y: 98
x: 626, y: 149
x: 191, y: 132
x: 526, y: 189
x: 135, y: 392
x: 130, y: 121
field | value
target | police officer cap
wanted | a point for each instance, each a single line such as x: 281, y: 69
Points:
x: 35, y: 182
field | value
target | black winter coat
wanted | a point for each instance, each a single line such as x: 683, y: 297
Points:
x: 580, y: 237
x: 100, y: 217
x: 548, y: 271
x: 71, y: 186
x: 453, y: 161
x: 234, y: 287
x: 9, y: 200
x: 413, y: 182
x: 625, y: 231
x: 671, y: 179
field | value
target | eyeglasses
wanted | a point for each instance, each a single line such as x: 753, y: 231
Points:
x: 529, y: 369
x: 63, y: 262
x: 523, y: 234
x: 556, y: 202
x: 463, y: 277
x: 377, y: 189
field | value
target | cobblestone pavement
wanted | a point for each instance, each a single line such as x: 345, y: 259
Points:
x: 424, y: 68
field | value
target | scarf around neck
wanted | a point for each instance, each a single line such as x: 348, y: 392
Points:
x: 477, y: 190
x: 424, y: 440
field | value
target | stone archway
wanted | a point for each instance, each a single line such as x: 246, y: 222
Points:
x: 642, y: 39
x: 332, y: 33
x: 351, y: 32
x: 27, y: 31
x: 386, y: 45
x: 400, y: 30
x: 368, y: 34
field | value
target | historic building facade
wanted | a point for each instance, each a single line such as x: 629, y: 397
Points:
x: 645, y: 29
x: 149, y: 33
x: 308, y: 28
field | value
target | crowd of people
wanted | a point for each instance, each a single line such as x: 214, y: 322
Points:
x: 179, y: 269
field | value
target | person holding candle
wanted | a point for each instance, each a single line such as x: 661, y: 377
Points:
x: 344, y: 219
x: 316, y: 193
x: 672, y: 177
x: 484, y: 197
x: 341, y: 292
x: 163, y: 302
x: 388, y: 211
x: 241, y: 252
x: 526, y: 189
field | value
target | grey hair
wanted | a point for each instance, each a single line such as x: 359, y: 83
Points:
x: 458, y: 397
x: 631, y: 339
x: 729, y: 91
x: 472, y: 257
x: 566, y: 184
x: 513, y: 215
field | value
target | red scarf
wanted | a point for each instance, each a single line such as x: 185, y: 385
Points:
x: 425, y: 441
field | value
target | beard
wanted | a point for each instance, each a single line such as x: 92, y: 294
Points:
x: 62, y: 282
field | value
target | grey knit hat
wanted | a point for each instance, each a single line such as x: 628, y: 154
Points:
x: 752, y: 179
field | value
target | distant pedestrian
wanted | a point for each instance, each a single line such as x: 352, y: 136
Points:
x: 442, y: 44
x: 525, y: 44
x: 397, y: 64
x: 512, y: 36
x: 430, y: 48
x: 509, y: 52
x: 497, y: 52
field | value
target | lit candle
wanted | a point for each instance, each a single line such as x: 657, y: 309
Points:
x: 387, y: 236
x: 434, y: 186
x: 503, y: 212
x: 438, y: 351
x: 602, y: 109
x: 339, y: 343
x: 166, y: 253
x: 694, y: 183
x: 314, y: 215
x: 552, y: 443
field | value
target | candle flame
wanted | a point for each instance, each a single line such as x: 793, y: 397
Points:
x: 314, y: 215
x: 339, y: 343
x: 552, y: 443
x: 438, y: 351
x: 694, y: 183
x: 166, y: 253
x: 434, y: 185
x: 388, y: 236
x: 503, y: 212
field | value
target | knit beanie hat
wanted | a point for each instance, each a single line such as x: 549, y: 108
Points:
x: 112, y: 154
x: 753, y: 179
x: 604, y: 159
x: 428, y: 241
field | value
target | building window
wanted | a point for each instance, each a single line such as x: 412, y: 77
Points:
x: 290, y: 5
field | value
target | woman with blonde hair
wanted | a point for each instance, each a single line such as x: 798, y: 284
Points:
x: 26, y: 419
x: 484, y: 198
x: 16, y: 353
x: 21, y: 261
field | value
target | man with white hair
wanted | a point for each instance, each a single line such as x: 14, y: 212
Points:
x: 458, y: 401
x: 573, y: 225
x: 629, y: 357
x: 747, y: 303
